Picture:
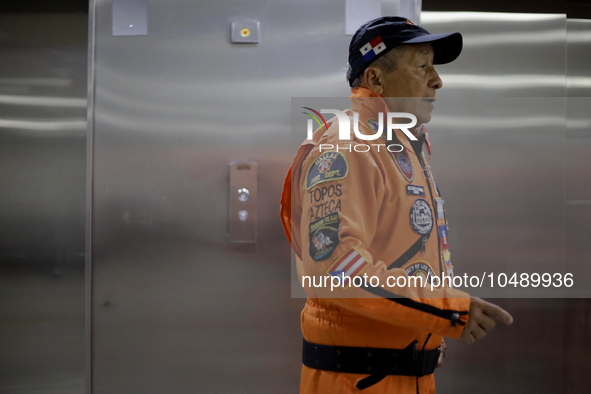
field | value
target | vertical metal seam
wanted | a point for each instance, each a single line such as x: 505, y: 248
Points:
x: 89, y: 197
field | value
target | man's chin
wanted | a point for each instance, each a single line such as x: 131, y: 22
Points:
x: 423, y: 119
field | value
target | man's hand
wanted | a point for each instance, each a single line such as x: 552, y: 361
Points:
x: 442, y: 354
x: 482, y: 319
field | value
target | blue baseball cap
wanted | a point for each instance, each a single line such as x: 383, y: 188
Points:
x: 378, y: 36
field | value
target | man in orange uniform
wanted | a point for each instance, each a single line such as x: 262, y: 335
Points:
x: 357, y: 214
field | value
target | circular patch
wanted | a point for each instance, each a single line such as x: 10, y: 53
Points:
x: 421, y: 217
x: 419, y: 268
x: 402, y: 160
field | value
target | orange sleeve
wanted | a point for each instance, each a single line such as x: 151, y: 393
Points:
x: 347, y: 232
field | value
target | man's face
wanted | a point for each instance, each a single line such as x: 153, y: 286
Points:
x: 412, y: 86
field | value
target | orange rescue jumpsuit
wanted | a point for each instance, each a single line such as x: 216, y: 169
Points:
x: 372, y: 206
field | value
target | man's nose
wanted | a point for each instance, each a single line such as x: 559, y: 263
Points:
x: 435, y: 82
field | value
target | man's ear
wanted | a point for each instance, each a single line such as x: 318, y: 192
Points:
x: 373, y: 79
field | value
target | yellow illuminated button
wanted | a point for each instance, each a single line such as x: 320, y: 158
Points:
x: 245, y: 32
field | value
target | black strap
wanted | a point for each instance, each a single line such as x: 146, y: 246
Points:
x: 377, y: 362
x: 410, y: 252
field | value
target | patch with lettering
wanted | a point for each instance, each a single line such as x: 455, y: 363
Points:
x: 421, y: 217
x: 402, y: 160
x: 419, y: 268
x: 350, y: 264
x: 324, y: 208
x: 415, y: 190
x: 319, y: 193
x: 324, y: 236
x: 330, y: 166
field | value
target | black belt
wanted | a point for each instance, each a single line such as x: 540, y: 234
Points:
x: 377, y: 362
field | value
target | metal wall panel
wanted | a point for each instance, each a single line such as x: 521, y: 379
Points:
x: 500, y: 167
x: 176, y: 308
x: 577, y: 341
x: 42, y: 183
x: 504, y: 55
x: 505, y: 192
x: 504, y: 187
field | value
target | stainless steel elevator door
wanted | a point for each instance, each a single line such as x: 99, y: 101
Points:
x: 42, y: 202
x: 176, y: 307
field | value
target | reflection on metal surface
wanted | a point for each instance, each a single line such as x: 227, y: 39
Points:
x: 59, y: 127
x: 455, y: 18
x: 20, y: 82
x: 43, y: 101
x: 504, y: 54
x: 42, y: 181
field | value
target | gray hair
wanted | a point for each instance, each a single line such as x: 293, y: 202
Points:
x: 387, y: 62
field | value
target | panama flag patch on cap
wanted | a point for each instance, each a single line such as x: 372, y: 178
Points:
x: 372, y: 48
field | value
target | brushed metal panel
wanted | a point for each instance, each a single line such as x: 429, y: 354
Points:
x: 176, y: 308
x: 578, y: 164
x: 578, y: 34
x: 499, y: 149
x: 42, y: 158
x: 357, y: 12
x: 504, y: 55
x: 504, y: 187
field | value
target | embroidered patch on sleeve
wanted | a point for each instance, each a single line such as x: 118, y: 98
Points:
x: 402, y: 160
x: 350, y: 264
x: 330, y: 166
x: 324, y: 236
x: 420, y: 268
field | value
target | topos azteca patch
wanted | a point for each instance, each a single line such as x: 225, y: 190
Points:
x: 329, y: 166
x: 324, y: 236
